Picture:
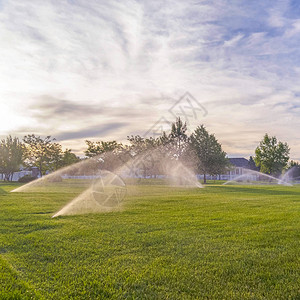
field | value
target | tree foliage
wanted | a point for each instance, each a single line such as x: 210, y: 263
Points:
x: 178, y: 138
x: 167, y: 147
x: 106, y: 155
x: 140, y: 145
x: 210, y: 157
x: 101, y: 147
x: 252, y: 165
x: 271, y: 155
x: 68, y: 158
x: 11, y: 156
x: 42, y: 153
x: 144, y: 150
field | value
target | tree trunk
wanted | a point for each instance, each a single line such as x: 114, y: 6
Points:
x: 6, y: 177
x: 40, y: 169
x: 204, y: 178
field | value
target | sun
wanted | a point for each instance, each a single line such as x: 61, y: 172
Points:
x: 12, y: 119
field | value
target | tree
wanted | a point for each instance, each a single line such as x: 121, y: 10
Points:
x: 139, y: 144
x: 178, y: 138
x: 106, y: 155
x: 69, y: 158
x: 252, y: 165
x: 11, y: 156
x: 210, y: 158
x: 101, y: 147
x: 42, y: 153
x: 143, y: 154
x: 271, y: 155
x: 55, y: 157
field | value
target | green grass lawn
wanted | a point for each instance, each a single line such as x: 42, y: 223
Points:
x: 221, y: 242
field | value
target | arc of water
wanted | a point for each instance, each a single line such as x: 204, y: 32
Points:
x: 252, y: 172
x: 288, y: 176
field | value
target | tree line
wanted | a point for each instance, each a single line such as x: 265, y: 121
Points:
x: 200, y: 151
x: 33, y: 151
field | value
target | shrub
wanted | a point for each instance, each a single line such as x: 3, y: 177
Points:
x: 26, y: 178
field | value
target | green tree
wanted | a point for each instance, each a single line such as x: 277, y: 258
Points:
x: 292, y: 164
x: 69, y: 158
x: 101, y: 147
x: 42, y: 153
x: 178, y: 138
x: 210, y: 158
x: 141, y: 150
x: 252, y: 165
x: 55, y: 157
x: 11, y: 156
x: 139, y: 144
x: 271, y: 155
x: 106, y: 155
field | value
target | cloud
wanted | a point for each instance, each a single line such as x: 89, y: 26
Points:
x: 48, y: 107
x: 78, y: 64
x: 94, y: 132
x: 233, y: 41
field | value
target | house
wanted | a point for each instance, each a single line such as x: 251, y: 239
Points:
x: 239, y: 165
x: 17, y: 175
x: 34, y: 172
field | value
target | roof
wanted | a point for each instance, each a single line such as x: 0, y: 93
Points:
x: 240, y: 162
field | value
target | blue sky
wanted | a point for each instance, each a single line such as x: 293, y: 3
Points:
x: 95, y: 70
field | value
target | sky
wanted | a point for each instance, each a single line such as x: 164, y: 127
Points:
x: 103, y: 70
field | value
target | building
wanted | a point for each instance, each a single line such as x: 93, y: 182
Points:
x: 239, y: 166
x: 34, y: 172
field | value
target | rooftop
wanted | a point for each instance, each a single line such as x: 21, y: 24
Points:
x: 239, y: 162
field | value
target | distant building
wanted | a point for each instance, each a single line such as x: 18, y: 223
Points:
x: 34, y: 172
x: 238, y: 164
x: 17, y: 175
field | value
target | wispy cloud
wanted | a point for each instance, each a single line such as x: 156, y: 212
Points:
x: 91, y: 132
x: 48, y: 107
x: 71, y: 65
